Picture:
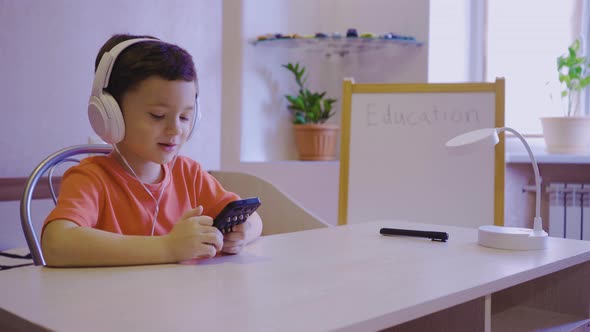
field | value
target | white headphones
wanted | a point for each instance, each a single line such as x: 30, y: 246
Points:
x: 104, y: 112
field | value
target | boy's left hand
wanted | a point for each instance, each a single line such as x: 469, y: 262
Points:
x: 235, y: 241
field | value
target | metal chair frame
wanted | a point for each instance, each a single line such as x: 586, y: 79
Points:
x: 47, y: 166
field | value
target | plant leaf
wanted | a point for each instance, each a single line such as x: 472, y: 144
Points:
x: 307, y: 106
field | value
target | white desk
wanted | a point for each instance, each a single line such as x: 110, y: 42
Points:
x: 346, y: 278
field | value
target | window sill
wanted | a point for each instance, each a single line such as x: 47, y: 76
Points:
x: 516, y: 153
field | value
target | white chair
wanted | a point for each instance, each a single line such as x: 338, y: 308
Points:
x: 280, y: 214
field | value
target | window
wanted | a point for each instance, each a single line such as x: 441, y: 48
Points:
x: 518, y: 40
x: 524, y: 38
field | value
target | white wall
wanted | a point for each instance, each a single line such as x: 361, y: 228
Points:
x: 47, y: 64
x: 266, y: 123
x: 256, y: 125
x: 450, y: 41
x: 47, y: 53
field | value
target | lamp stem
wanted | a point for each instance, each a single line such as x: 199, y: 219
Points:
x: 537, y: 223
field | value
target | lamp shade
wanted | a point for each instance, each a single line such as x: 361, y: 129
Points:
x: 474, y: 140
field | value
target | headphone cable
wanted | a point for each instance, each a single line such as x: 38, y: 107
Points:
x: 160, y: 195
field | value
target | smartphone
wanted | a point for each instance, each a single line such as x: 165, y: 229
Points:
x: 235, y: 213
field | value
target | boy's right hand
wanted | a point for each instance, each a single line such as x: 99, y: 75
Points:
x: 194, y: 236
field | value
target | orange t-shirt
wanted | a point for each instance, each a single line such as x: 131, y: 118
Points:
x: 99, y: 193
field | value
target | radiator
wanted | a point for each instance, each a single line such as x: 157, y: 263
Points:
x: 569, y: 210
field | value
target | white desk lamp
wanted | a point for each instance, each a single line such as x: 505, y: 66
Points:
x: 511, y: 238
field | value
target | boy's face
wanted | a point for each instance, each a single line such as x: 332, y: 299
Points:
x: 158, y: 117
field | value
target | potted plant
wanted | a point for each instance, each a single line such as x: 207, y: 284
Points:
x: 570, y: 133
x: 315, y: 139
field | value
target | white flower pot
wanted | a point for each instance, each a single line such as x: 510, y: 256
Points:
x: 567, y: 134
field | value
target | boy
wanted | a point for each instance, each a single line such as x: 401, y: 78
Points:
x: 144, y: 103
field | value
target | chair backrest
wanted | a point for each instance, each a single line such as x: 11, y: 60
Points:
x: 47, y: 166
x: 279, y: 212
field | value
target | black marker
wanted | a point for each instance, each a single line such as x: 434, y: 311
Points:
x: 435, y: 236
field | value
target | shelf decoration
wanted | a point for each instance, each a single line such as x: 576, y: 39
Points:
x: 335, y: 43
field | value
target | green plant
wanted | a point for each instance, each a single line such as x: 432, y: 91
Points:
x: 574, y: 73
x: 308, y: 107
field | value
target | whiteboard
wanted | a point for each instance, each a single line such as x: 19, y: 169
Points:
x: 394, y: 164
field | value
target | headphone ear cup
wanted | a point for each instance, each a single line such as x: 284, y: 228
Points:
x: 106, y: 118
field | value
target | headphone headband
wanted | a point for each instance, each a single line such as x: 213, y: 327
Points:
x: 107, y: 61
x: 104, y: 112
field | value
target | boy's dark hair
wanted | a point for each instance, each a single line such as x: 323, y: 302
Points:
x: 142, y: 60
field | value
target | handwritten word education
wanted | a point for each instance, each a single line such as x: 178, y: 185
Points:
x: 389, y: 115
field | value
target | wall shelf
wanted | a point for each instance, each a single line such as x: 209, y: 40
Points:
x: 336, y: 46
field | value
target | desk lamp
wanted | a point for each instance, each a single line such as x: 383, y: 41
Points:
x: 511, y: 238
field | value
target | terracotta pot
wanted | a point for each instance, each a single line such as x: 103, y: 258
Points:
x: 316, y: 141
x: 567, y: 134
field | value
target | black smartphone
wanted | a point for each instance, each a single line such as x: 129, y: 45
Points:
x: 235, y: 213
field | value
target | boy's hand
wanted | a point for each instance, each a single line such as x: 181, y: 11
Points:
x: 234, y: 242
x: 194, y: 236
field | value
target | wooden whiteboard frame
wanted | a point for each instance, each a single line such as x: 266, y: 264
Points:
x: 349, y: 88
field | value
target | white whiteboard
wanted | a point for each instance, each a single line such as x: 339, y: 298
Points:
x: 394, y: 164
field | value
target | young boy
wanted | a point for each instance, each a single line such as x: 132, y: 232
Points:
x: 141, y: 204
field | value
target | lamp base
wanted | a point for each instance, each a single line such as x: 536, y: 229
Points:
x: 511, y: 238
